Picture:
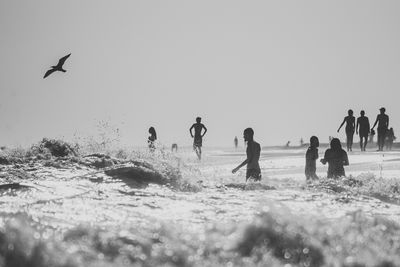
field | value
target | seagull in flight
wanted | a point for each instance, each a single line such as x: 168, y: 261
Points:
x: 58, y: 67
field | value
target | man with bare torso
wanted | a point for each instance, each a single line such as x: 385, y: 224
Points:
x: 198, y: 136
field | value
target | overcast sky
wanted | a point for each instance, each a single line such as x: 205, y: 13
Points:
x: 289, y: 69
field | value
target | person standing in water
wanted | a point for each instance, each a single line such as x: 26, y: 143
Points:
x: 383, y: 124
x: 152, y: 138
x: 235, y: 141
x: 336, y: 158
x: 253, y: 156
x: 311, y: 158
x: 198, y: 136
x: 362, y: 128
x: 350, y: 125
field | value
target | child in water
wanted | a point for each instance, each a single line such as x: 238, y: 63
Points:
x: 336, y: 158
x: 311, y: 158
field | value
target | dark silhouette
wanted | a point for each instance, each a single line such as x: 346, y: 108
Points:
x: 236, y: 142
x: 389, y: 139
x: 336, y: 158
x: 59, y: 66
x: 253, y: 156
x: 152, y: 138
x: 288, y: 143
x: 311, y: 158
x: 350, y: 125
x: 362, y: 128
x: 198, y: 136
x: 301, y: 142
x: 383, y: 124
x: 174, y: 147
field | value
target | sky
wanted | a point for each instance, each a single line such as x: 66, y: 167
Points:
x: 288, y: 69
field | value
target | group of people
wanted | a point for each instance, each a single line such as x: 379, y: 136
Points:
x: 335, y: 156
x: 199, y: 131
x: 362, y: 128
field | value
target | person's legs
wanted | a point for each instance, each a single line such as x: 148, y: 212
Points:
x: 361, y: 143
x: 365, y: 142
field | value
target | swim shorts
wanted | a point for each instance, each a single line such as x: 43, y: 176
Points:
x: 253, y: 174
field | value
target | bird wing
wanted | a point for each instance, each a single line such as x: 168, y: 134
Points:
x: 50, y: 71
x: 62, y: 60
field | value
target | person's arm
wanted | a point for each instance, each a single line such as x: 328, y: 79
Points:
x: 368, y: 126
x: 376, y: 121
x: 205, y: 130
x: 324, y: 160
x: 353, y: 123
x: 190, y: 130
x: 341, y: 124
x: 240, y: 166
x: 387, y: 125
x: 345, y: 159
x: 358, y: 124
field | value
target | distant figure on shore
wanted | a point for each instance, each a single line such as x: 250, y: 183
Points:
x: 288, y: 143
x: 336, y: 158
x: 236, y: 142
x: 362, y: 128
x: 253, y: 151
x: 350, y: 125
x: 311, y: 159
x: 383, y: 124
x: 301, y: 142
x: 152, y: 138
x: 198, y: 136
x: 389, y: 139
x: 58, y: 67
x: 174, y: 147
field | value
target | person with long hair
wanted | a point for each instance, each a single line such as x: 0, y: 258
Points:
x: 350, y: 126
x: 336, y: 158
x: 152, y: 139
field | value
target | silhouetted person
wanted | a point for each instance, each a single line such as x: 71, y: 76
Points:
x: 236, y: 142
x: 288, y: 143
x: 174, y: 147
x: 152, y: 138
x: 301, y: 142
x: 383, y: 124
x: 389, y: 139
x: 311, y: 158
x: 336, y: 158
x: 253, y: 151
x: 362, y: 128
x: 198, y: 136
x: 350, y: 125
x: 59, y: 66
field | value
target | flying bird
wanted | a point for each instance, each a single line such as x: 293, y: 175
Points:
x: 59, y: 66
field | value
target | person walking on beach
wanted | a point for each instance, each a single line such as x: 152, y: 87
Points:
x: 236, y: 142
x: 350, y: 125
x: 152, y: 138
x: 253, y: 151
x: 311, y: 158
x: 198, y: 136
x: 336, y: 158
x: 362, y: 128
x: 383, y: 124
